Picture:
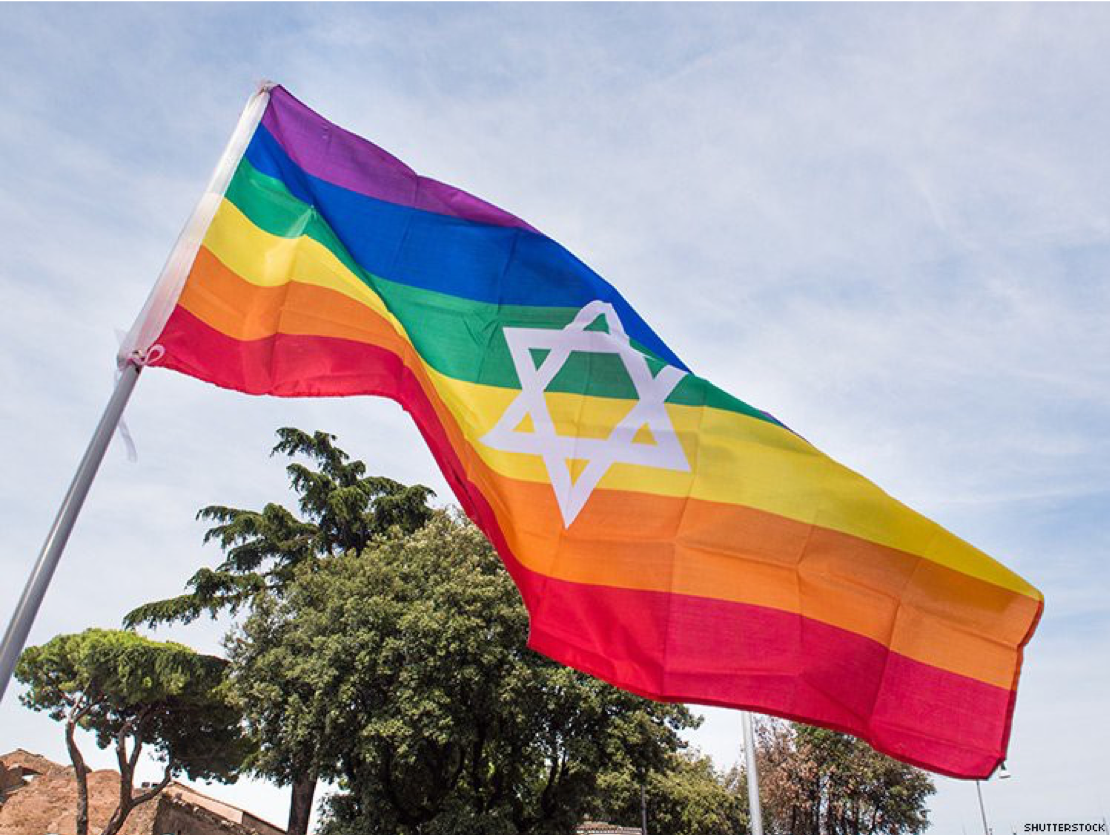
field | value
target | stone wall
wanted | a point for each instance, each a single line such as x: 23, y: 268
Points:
x: 46, y: 804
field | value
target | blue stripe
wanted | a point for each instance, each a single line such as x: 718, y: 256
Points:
x: 482, y: 262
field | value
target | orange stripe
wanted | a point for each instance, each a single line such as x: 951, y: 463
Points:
x: 641, y: 541
x: 246, y: 311
x: 645, y: 541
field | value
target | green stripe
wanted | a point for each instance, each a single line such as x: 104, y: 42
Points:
x: 462, y: 338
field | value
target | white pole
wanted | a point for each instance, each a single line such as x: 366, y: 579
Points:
x: 133, y: 354
x: 982, y: 808
x: 24, y: 615
x: 755, y: 806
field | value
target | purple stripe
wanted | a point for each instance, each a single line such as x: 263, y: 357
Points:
x: 338, y: 156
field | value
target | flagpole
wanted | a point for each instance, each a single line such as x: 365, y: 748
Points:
x: 982, y: 808
x: 755, y: 806
x: 138, y: 347
x: 24, y: 615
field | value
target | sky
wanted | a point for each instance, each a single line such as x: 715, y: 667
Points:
x: 887, y: 225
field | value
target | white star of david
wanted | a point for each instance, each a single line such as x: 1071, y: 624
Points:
x: 599, y: 454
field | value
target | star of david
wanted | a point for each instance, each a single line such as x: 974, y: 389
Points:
x: 599, y: 454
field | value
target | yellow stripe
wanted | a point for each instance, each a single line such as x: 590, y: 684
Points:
x: 735, y: 459
x: 268, y: 260
x: 744, y: 462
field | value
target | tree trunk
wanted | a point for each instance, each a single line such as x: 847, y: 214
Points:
x: 119, y: 817
x: 300, y: 808
x: 80, y: 773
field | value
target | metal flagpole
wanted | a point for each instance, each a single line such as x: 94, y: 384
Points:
x: 24, y: 615
x: 982, y: 808
x: 137, y: 348
x: 755, y: 806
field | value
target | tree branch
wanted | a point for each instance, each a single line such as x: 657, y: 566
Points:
x: 139, y: 734
x: 153, y: 791
x: 135, y: 727
x: 552, y: 774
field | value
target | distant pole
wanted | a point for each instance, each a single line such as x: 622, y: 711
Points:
x: 643, y: 808
x: 755, y: 806
x: 24, y: 615
x: 982, y: 808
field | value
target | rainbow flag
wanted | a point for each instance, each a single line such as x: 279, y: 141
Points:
x: 665, y: 536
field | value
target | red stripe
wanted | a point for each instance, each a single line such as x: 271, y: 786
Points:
x: 692, y: 649
x: 665, y: 646
x: 315, y: 366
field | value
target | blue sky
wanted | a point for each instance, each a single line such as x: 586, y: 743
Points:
x: 887, y: 225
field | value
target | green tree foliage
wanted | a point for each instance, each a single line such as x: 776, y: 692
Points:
x: 819, y: 782
x: 408, y: 668
x: 342, y: 509
x: 687, y: 797
x: 132, y: 693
